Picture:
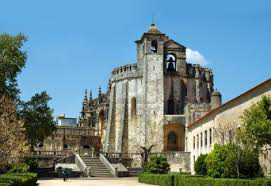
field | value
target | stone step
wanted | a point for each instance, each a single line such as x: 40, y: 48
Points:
x: 97, y: 168
x: 105, y: 175
x: 93, y: 162
x: 94, y: 166
x: 100, y: 172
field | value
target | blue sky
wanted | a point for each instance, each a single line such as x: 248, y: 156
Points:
x: 73, y: 45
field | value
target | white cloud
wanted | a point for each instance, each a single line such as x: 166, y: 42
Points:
x: 195, y: 57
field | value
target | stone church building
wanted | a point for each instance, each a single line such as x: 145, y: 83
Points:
x: 161, y: 101
x: 151, y: 102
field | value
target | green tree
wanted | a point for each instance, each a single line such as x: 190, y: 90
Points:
x: 256, y: 128
x: 157, y: 165
x: 38, y: 118
x: 12, y: 60
x: 13, y: 145
x: 231, y: 161
x: 12, y: 134
x: 200, y: 165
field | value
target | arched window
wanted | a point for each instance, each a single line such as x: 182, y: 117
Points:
x: 40, y: 145
x: 171, y: 106
x: 154, y: 46
x: 172, y: 138
x: 171, y: 62
x: 133, y: 106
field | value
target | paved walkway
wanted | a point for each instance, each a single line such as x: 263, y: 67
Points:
x: 92, y: 182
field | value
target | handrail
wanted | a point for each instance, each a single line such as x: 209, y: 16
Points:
x: 108, y: 165
x: 64, y: 158
x: 81, y: 165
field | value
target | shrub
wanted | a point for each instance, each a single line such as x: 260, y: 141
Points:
x: 200, y: 165
x: 156, y: 179
x: 186, y: 180
x: 19, y: 168
x: 19, y: 179
x: 157, y: 165
x: 231, y: 161
x: 5, y: 182
x: 249, y: 165
x: 203, y: 181
x: 33, y: 164
x: 59, y: 171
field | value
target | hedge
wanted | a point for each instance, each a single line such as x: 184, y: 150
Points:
x: 188, y: 180
x: 156, y: 179
x: 18, y: 179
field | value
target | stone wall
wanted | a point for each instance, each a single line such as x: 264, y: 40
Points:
x: 77, y: 139
x: 224, y: 119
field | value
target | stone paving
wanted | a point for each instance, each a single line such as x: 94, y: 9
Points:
x: 92, y: 182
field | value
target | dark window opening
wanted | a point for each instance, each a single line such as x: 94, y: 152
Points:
x: 206, y: 138
x: 40, y: 145
x: 65, y: 146
x: 210, y: 137
x: 201, y: 140
x: 93, y: 124
x: 197, y: 141
x: 171, y: 62
x: 154, y: 46
x: 171, y: 106
x: 194, y: 146
x: 86, y: 147
x: 133, y: 106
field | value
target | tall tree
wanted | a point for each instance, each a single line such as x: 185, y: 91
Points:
x: 256, y: 128
x: 12, y: 134
x: 38, y: 118
x: 13, y: 145
x: 12, y: 60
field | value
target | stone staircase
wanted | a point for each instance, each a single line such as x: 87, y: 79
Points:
x: 97, y: 168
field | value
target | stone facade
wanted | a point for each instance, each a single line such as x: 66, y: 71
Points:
x: 204, y: 133
x: 161, y: 100
x: 82, y: 140
x: 150, y: 102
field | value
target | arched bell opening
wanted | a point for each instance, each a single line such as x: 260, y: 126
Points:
x: 154, y: 46
x: 171, y: 62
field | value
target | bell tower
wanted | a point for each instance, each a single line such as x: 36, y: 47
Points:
x: 150, y: 62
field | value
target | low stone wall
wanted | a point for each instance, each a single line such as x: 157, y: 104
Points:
x: 178, y: 160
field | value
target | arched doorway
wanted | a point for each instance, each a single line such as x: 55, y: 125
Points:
x: 174, y: 137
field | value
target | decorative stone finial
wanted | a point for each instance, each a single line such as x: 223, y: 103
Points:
x: 153, y: 29
x: 90, y: 95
